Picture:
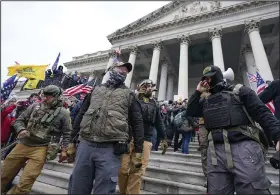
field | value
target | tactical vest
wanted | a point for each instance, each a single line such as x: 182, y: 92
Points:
x: 223, y: 110
x: 42, y: 124
x: 149, y: 111
x: 106, y: 119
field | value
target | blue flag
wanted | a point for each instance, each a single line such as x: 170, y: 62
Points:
x: 8, y: 87
x: 54, y: 66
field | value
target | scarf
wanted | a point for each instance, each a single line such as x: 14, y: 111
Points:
x: 116, y: 78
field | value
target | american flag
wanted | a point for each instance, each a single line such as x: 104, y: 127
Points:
x: 8, y: 87
x: 251, y: 77
x: 82, y: 88
x: 261, y: 85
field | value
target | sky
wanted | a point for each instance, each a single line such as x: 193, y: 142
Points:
x: 35, y: 32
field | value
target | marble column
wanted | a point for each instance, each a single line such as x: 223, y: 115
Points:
x: 155, y: 61
x: 163, y: 80
x: 250, y: 64
x: 112, y: 55
x: 170, y: 85
x: 132, y: 58
x: 183, y: 83
x: 216, y: 36
x: 262, y: 64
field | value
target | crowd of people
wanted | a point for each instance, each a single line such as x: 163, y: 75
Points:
x: 110, y: 134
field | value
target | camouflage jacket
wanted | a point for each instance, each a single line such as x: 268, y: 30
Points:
x: 43, y: 124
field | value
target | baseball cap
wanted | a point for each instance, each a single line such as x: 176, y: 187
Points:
x: 126, y: 64
x: 211, y: 71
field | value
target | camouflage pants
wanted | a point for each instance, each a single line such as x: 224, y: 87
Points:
x: 203, y: 144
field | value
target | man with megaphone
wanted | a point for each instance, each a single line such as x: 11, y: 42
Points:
x: 235, y: 159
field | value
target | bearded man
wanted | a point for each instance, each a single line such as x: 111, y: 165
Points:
x: 130, y: 177
x: 35, y: 127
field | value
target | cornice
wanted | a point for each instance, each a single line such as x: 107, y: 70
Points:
x: 227, y: 11
x: 87, y: 60
x: 147, y: 19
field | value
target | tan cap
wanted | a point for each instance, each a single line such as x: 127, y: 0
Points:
x: 126, y: 64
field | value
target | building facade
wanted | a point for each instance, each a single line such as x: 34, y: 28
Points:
x: 173, y: 44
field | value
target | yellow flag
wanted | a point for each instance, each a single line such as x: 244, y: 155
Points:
x: 28, y: 71
x: 31, y: 84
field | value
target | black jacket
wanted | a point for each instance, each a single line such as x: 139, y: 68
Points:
x: 255, y: 107
x: 158, y: 125
x: 272, y: 92
x: 135, y: 121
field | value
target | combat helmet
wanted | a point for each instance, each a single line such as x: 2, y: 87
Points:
x: 146, y: 82
x: 52, y: 90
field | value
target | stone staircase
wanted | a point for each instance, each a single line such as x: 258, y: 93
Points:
x: 172, y: 173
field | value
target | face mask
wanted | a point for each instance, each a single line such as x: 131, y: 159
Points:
x: 116, y: 77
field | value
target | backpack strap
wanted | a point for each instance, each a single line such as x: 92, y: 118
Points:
x: 236, y: 91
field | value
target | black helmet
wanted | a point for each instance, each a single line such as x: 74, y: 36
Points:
x: 52, y: 90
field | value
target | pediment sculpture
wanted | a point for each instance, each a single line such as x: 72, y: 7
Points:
x: 197, y: 7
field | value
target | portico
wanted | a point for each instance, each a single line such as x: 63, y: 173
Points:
x: 173, y: 44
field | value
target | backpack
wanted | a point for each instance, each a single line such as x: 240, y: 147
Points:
x: 179, y: 118
x: 182, y: 123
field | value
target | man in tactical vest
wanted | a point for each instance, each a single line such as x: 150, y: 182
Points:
x: 35, y: 127
x: 235, y: 160
x: 107, y: 119
x: 130, y: 178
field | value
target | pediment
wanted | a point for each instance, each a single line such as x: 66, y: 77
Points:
x: 191, y: 9
x: 174, y: 11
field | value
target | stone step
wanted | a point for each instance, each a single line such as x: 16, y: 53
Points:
x: 196, y: 167
x: 161, y: 179
x: 193, y: 149
x: 176, y: 165
x: 43, y: 188
x: 176, y: 156
x: 192, y: 157
x: 170, y: 187
x: 195, y: 178
x: 54, y: 182
x: 166, y: 166
x: 184, y: 165
x: 187, y: 177
x: 155, y: 185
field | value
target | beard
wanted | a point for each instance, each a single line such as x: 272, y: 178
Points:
x: 148, y: 94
